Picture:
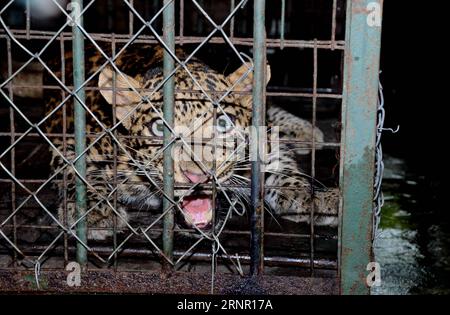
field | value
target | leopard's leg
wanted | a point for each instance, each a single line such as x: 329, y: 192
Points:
x: 289, y: 193
x: 297, y: 204
x: 326, y: 207
x: 100, y: 216
x: 100, y: 219
x: 293, y: 127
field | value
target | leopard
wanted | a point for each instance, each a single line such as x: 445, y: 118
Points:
x: 125, y: 144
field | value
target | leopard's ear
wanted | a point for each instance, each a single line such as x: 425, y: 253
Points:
x: 125, y: 96
x: 242, y: 78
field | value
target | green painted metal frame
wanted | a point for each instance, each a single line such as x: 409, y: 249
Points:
x: 258, y: 114
x: 168, y: 113
x: 359, y: 109
x: 80, y: 130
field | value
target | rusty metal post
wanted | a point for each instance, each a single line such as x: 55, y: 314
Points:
x: 169, y: 101
x: 258, y: 114
x: 359, y: 113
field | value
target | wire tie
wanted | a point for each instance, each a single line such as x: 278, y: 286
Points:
x: 37, y: 273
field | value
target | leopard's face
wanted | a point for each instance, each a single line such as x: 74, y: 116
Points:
x: 208, y: 140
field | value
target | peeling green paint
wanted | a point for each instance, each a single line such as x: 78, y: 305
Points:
x: 80, y: 134
x: 358, y: 146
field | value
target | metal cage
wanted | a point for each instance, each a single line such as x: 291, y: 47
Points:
x: 157, y: 256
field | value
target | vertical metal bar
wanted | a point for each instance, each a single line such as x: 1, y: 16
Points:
x: 259, y: 86
x: 232, y: 22
x: 313, y: 156
x: 131, y: 19
x: 214, y: 206
x: 64, y: 131
x: 28, y: 18
x: 80, y: 129
x: 283, y: 21
x: 13, y: 150
x: 181, y: 22
x: 114, y: 104
x: 110, y: 10
x: 333, y: 25
x: 358, y: 148
x: 169, y: 102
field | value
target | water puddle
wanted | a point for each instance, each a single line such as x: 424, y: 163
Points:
x: 413, y: 242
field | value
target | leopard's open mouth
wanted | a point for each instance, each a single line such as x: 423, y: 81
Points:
x: 198, y: 210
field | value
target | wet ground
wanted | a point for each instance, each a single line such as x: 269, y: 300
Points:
x: 413, y: 244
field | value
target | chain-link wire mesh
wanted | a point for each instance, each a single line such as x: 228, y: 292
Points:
x: 316, y: 246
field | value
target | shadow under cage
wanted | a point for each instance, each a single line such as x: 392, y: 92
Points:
x: 187, y: 146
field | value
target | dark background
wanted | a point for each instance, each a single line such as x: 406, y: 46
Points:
x: 414, y: 64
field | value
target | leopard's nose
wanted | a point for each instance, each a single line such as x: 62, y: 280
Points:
x: 195, y: 178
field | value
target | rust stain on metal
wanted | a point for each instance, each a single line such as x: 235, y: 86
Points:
x: 346, y: 251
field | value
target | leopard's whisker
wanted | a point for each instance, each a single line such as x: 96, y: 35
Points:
x: 245, y: 179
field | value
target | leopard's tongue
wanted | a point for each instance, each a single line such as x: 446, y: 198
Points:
x: 198, y: 210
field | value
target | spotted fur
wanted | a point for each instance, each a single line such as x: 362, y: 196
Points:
x: 138, y: 153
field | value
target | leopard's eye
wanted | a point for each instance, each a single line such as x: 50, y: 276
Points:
x: 157, y: 127
x: 224, y: 123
